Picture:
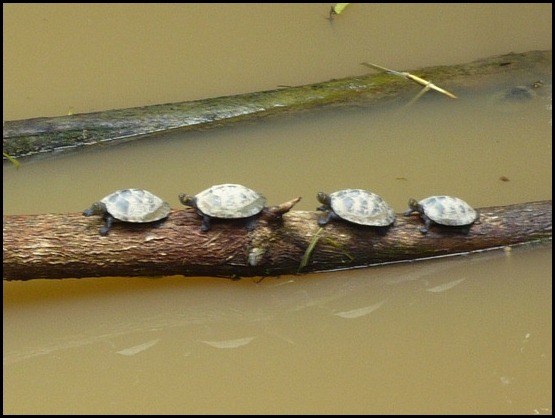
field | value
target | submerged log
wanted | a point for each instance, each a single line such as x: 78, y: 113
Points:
x: 55, y: 246
x: 46, y: 136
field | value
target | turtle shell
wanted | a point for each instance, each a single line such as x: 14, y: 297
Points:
x: 136, y: 205
x: 361, y: 207
x: 448, y: 210
x: 230, y: 201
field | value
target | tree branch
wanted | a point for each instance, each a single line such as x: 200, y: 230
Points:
x: 55, y: 246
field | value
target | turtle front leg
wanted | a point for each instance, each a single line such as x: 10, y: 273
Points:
x: 427, y: 223
x: 328, y: 216
x: 205, y: 223
x: 109, y: 220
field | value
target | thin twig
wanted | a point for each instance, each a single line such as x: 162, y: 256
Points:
x: 408, y: 76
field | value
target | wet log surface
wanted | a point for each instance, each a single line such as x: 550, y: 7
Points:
x: 55, y: 246
x: 55, y: 135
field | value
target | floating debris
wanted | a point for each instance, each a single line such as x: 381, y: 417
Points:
x: 337, y: 9
x: 11, y: 159
x: 428, y: 85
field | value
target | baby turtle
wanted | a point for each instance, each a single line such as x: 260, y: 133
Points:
x: 357, y: 206
x: 129, y: 205
x: 444, y: 210
x: 226, y: 201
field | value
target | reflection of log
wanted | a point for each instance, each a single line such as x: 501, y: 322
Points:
x: 68, y: 245
x: 42, y: 136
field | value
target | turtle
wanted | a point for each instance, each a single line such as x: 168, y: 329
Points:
x: 225, y: 201
x: 357, y: 206
x: 129, y: 205
x: 514, y: 99
x: 444, y: 210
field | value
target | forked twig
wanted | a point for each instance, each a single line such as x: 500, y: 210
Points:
x: 428, y: 85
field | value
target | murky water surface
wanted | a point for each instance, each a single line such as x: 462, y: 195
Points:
x: 457, y: 335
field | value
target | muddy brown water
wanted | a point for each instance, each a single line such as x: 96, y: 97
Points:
x: 467, y: 334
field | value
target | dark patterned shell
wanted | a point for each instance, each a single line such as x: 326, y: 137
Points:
x: 136, y: 205
x: 448, y: 210
x: 230, y: 201
x: 362, y: 207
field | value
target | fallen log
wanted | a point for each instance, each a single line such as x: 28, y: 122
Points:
x: 56, y: 246
x: 54, y: 135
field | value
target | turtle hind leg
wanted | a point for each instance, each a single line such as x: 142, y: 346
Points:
x: 109, y: 220
x: 382, y: 230
x: 465, y: 229
x: 251, y: 223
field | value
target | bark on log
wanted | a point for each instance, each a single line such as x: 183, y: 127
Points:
x: 55, y: 246
x: 46, y: 136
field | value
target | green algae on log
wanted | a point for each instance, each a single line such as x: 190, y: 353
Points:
x: 47, y: 136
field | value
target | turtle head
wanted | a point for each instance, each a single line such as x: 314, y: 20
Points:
x: 413, y: 204
x: 188, y: 200
x: 323, y: 198
x: 97, y: 208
